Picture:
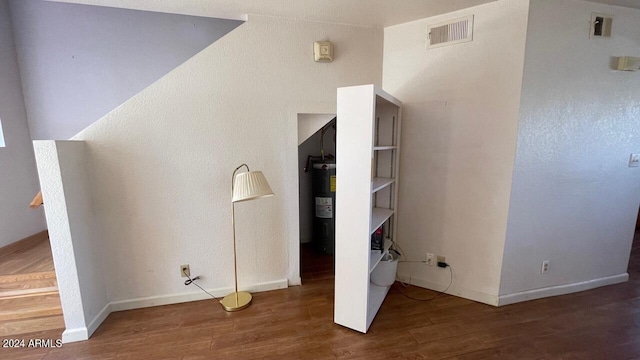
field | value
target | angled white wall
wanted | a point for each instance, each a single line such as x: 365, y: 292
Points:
x: 460, y: 116
x: 161, y: 163
x: 309, y: 124
x: 79, y: 62
x: 574, y: 201
x: 18, y: 176
x: 76, y: 245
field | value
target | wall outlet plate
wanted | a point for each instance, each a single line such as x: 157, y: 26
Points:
x: 441, y: 258
x: 634, y: 160
x: 545, y: 267
x: 601, y: 26
x: 431, y: 259
x: 185, y: 271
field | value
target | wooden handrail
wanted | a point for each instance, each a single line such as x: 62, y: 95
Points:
x: 37, y: 201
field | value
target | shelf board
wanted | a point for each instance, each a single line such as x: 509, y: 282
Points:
x: 376, y: 297
x: 378, y: 148
x: 378, y: 217
x: 376, y: 255
x: 380, y: 183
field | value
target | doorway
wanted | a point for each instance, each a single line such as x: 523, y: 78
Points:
x: 316, y: 179
x: 634, y: 258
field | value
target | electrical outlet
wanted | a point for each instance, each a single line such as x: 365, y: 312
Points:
x: 545, y: 267
x: 184, y: 270
x: 634, y: 160
x: 441, y: 258
x: 431, y: 259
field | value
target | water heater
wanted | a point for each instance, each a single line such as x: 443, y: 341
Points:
x: 324, y: 193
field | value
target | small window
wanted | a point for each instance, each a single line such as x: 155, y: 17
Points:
x: 1, y: 136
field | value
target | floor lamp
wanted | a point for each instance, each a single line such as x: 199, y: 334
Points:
x: 245, y: 186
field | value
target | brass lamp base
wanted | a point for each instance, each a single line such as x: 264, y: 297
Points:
x: 233, y: 303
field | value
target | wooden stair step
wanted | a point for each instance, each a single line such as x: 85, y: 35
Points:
x: 22, y: 293
x: 25, y: 326
x: 30, y: 307
x: 42, y: 275
x: 28, y: 284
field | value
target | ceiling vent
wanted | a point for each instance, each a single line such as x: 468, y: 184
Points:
x: 449, y: 33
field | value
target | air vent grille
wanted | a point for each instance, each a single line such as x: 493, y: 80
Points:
x: 452, y: 32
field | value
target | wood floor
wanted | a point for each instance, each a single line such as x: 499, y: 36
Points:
x: 29, y: 299
x: 33, y: 257
x: 314, y: 265
x: 297, y: 323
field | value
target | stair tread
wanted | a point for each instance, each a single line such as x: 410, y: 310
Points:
x: 25, y: 326
x: 41, y: 275
x: 27, y: 256
x: 29, y: 307
x: 28, y: 284
x: 19, y: 293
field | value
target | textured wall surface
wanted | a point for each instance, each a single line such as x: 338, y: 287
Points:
x: 460, y: 120
x: 18, y: 176
x: 87, y: 242
x: 574, y: 200
x: 79, y: 62
x: 161, y: 163
x: 60, y: 236
x: 75, y: 243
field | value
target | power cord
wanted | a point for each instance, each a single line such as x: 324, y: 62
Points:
x: 192, y: 281
x: 403, y: 284
x: 439, y: 292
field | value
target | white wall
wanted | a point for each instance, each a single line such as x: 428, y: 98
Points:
x: 162, y: 186
x: 574, y: 200
x: 460, y: 120
x: 76, y: 245
x: 18, y: 177
x: 309, y: 124
x: 1, y: 135
x: 79, y: 62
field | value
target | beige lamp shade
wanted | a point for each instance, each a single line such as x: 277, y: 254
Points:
x: 250, y: 185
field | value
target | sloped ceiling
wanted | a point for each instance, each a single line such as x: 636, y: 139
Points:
x: 376, y: 13
x: 78, y: 62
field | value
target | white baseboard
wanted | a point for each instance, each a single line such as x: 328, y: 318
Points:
x: 193, y: 296
x: 74, y: 335
x: 102, y: 315
x: 266, y: 286
x: 81, y: 334
x: 296, y: 281
x: 561, y: 289
x: 453, y: 290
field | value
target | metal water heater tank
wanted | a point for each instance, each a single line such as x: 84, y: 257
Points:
x: 324, y: 193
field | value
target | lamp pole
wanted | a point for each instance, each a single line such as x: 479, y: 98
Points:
x: 235, y: 260
x: 236, y: 305
x: 233, y: 225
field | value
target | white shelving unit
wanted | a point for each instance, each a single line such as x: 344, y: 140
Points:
x: 367, y: 147
x: 381, y: 183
